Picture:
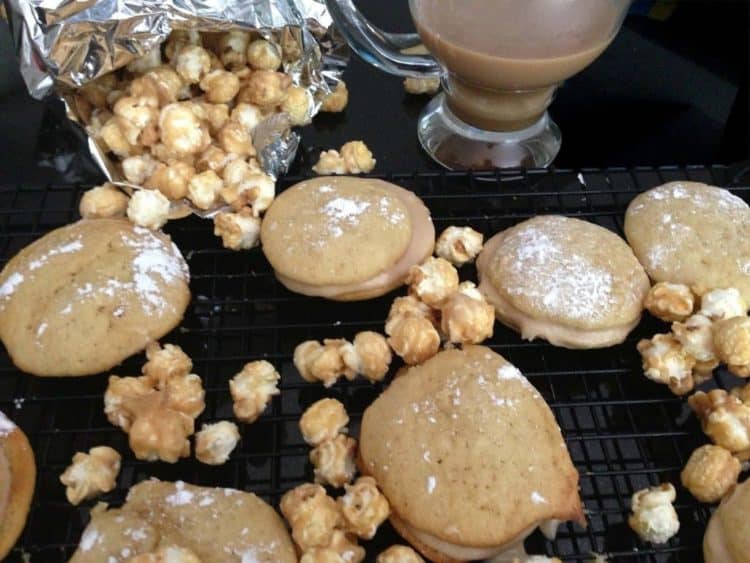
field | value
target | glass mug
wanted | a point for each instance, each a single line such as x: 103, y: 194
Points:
x: 499, y: 62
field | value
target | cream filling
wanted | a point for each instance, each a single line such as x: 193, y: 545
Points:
x: 506, y: 552
x: 5, y: 483
x: 421, y: 245
x: 554, y: 333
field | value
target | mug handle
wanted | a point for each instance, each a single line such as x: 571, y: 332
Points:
x: 382, y: 50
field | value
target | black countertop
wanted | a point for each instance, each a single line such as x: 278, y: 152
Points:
x: 664, y: 92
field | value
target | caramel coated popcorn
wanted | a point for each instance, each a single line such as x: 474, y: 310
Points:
x: 353, y: 158
x: 91, y: 474
x: 263, y: 55
x: 330, y: 162
x: 408, y: 306
x: 316, y: 362
x: 172, y: 179
x: 312, y: 515
x: 102, y: 202
x: 192, y: 63
x: 719, y: 304
x: 710, y: 473
x: 665, y: 361
x: 182, y: 132
x: 165, y: 362
x: 345, y: 545
x: 175, y: 122
x: 414, y: 339
x: 418, y: 86
x: 364, y: 507
x: 467, y: 319
x: 671, y: 302
x: 654, y: 518
x: 732, y: 339
x: 322, y: 421
x: 265, y: 89
x: 149, y: 209
x: 158, y: 409
x: 333, y: 460
x: 252, y: 389
x: 232, y: 48
x: 215, y: 442
x: 399, y: 554
x: 459, y: 245
x: 337, y: 100
x: 247, y: 186
x: 696, y: 337
x: 137, y: 169
x: 343, y: 549
x: 368, y: 355
x: 238, y: 231
x: 357, y: 157
x: 433, y: 281
x: 298, y: 104
x: 725, y: 418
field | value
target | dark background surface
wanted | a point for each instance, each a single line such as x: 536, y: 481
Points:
x: 665, y: 92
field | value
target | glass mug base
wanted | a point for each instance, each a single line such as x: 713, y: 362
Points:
x: 459, y: 146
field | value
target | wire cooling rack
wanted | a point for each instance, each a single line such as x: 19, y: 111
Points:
x: 623, y: 432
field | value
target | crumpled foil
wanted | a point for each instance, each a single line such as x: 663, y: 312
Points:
x: 63, y: 44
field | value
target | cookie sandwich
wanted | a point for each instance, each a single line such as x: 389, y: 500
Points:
x: 469, y: 456
x: 571, y: 282
x: 346, y: 239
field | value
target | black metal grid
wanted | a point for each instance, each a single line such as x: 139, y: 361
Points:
x: 623, y: 432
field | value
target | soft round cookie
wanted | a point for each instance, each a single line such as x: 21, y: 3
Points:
x: 727, y: 538
x: 17, y: 479
x: 691, y: 233
x: 458, y: 492
x: 345, y: 238
x: 84, y: 297
x: 572, y: 282
x: 217, y: 525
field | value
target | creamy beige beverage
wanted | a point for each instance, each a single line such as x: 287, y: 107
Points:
x: 505, y: 57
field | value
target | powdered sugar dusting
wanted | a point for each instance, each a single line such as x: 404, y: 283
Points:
x: 69, y: 248
x: 564, y: 282
x: 6, y: 425
x: 700, y: 198
x: 10, y: 285
x: 537, y: 498
x: 152, y: 263
x: 139, y: 534
x: 179, y: 497
x: 679, y: 210
x: 509, y: 372
x: 343, y: 212
x: 90, y: 538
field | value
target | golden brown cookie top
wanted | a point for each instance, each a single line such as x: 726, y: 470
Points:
x: 567, y: 271
x: 84, y: 297
x: 336, y: 230
x: 692, y: 233
x: 17, y: 480
x: 466, y: 449
x: 727, y: 538
x: 216, y: 524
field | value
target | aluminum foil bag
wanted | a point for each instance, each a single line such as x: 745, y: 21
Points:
x: 63, y: 44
